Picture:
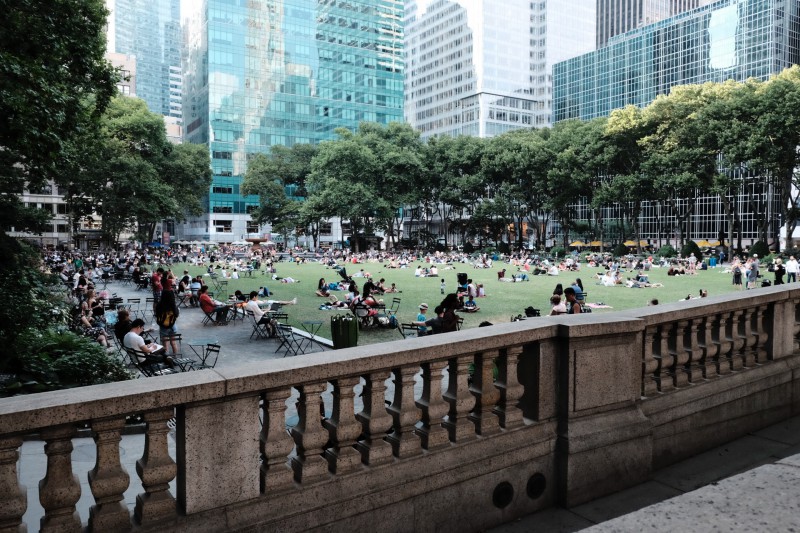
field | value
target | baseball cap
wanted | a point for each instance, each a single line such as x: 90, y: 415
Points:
x: 423, y: 306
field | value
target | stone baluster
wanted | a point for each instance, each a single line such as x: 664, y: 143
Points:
x: 460, y: 399
x: 693, y: 351
x: 707, y: 347
x: 343, y: 428
x: 375, y: 421
x: 511, y: 390
x: 276, y: 444
x: 737, y: 340
x: 405, y: 414
x: 796, y: 330
x: 486, y: 395
x: 13, y: 496
x: 649, y: 362
x: 749, y: 340
x: 156, y: 469
x: 109, y: 479
x: 761, y: 333
x: 60, y: 489
x: 309, y: 436
x: 681, y: 355
x: 666, y: 359
x: 432, y: 433
x: 724, y: 344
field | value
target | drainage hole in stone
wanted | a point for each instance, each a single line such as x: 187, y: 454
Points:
x: 503, y: 494
x: 536, y: 485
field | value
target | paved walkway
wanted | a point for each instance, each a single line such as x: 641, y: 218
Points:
x: 750, y: 484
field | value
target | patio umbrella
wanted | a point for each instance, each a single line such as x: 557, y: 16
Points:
x: 714, y: 243
x: 629, y: 243
x: 703, y: 244
x: 578, y: 243
x: 596, y: 243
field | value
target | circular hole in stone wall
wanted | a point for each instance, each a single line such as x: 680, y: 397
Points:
x: 502, y: 495
x: 536, y: 485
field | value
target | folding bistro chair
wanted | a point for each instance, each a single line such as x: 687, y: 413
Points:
x: 184, y: 363
x: 210, y: 356
x: 394, y: 307
x: 288, y: 340
x: 148, y: 369
x: 260, y: 331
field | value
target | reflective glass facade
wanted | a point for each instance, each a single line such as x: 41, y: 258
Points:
x: 484, y: 67
x: 619, y: 16
x: 726, y: 40
x: 149, y: 30
x: 260, y: 73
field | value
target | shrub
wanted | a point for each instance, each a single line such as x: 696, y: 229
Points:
x: 621, y: 250
x: 691, y: 248
x: 504, y: 248
x: 666, y: 251
x: 760, y: 248
x: 558, y: 251
x: 469, y: 247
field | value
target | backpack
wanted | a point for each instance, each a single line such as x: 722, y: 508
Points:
x: 166, y: 318
x: 392, y: 321
x: 530, y: 311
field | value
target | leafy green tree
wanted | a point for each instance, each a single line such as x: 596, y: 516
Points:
x: 54, y: 84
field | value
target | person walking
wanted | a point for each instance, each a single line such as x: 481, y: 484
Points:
x: 792, y: 268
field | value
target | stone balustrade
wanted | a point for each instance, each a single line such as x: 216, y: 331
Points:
x: 457, y: 431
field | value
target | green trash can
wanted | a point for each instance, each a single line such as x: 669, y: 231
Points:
x: 344, y: 331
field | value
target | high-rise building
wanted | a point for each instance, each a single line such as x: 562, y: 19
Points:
x: 150, y: 31
x: 620, y: 16
x: 484, y: 67
x: 279, y: 72
x: 727, y: 40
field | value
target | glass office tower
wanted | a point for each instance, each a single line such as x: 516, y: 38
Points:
x: 149, y: 30
x: 278, y: 72
x: 620, y: 16
x: 731, y: 39
x: 484, y: 67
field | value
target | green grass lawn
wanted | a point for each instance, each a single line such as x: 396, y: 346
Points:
x: 502, y: 301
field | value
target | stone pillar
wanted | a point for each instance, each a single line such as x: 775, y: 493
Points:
x: 309, y: 436
x: 694, y: 351
x: 749, y: 340
x: 375, y: 421
x: 433, y: 407
x: 156, y: 469
x: 343, y: 428
x: 604, y: 441
x: 276, y: 445
x: 708, y: 347
x: 405, y: 414
x: 218, y: 449
x: 666, y: 361
x: 486, y: 395
x: 681, y: 355
x: 649, y: 362
x: 737, y: 340
x: 724, y: 344
x: 60, y: 490
x: 460, y: 400
x: 511, y: 390
x: 108, y: 480
x: 13, y: 496
x: 762, y: 335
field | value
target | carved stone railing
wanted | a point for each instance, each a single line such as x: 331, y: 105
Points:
x: 489, y: 423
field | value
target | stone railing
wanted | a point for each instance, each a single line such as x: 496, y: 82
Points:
x: 457, y: 431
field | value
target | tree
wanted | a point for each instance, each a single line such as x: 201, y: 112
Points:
x: 54, y: 85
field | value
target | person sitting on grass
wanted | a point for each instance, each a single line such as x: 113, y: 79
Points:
x: 322, y: 288
x: 470, y: 306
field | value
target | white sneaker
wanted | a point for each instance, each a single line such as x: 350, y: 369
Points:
x: 294, y: 300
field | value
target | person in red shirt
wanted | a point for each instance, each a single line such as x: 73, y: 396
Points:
x: 155, y: 284
x: 209, y: 305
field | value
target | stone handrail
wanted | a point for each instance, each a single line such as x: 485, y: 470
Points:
x: 556, y: 377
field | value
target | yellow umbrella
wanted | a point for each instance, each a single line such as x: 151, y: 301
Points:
x: 595, y: 243
x: 713, y: 243
x: 703, y: 244
x: 578, y: 243
x: 642, y: 243
x: 629, y: 243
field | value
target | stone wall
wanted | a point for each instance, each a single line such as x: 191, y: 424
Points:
x: 452, y: 432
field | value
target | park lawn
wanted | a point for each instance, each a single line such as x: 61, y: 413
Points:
x: 502, y: 302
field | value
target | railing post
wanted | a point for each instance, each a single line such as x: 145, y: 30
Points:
x: 681, y: 355
x: 749, y: 340
x: 724, y: 343
x: 108, y: 480
x: 761, y: 333
x: 460, y: 399
x: 60, y: 490
x: 405, y: 414
x: 649, y: 362
x: 694, y: 352
x: 13, y: 496
x: 433, y: 407
x: 276, y: 445
x: 486, y: 395
x: 708, y: 348
x: 737, y: 340
x: 309, y: 435
x: 511, y: 390
x: 156, y: 469
x: 375, y: 421
x: 666, y: 361
x: 343, y: 428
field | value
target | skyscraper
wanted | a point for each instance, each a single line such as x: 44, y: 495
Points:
x: 484, y: 67
x: 619, y: 16
x: 150, y: 31
x: 280, y: 72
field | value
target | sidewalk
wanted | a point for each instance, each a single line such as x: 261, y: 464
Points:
x: 750, y: 484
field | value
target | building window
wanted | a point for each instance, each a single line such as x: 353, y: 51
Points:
x: 252, y: 227
x: 222, y: 189
x: 223, y: 226
x: 222, y: 209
